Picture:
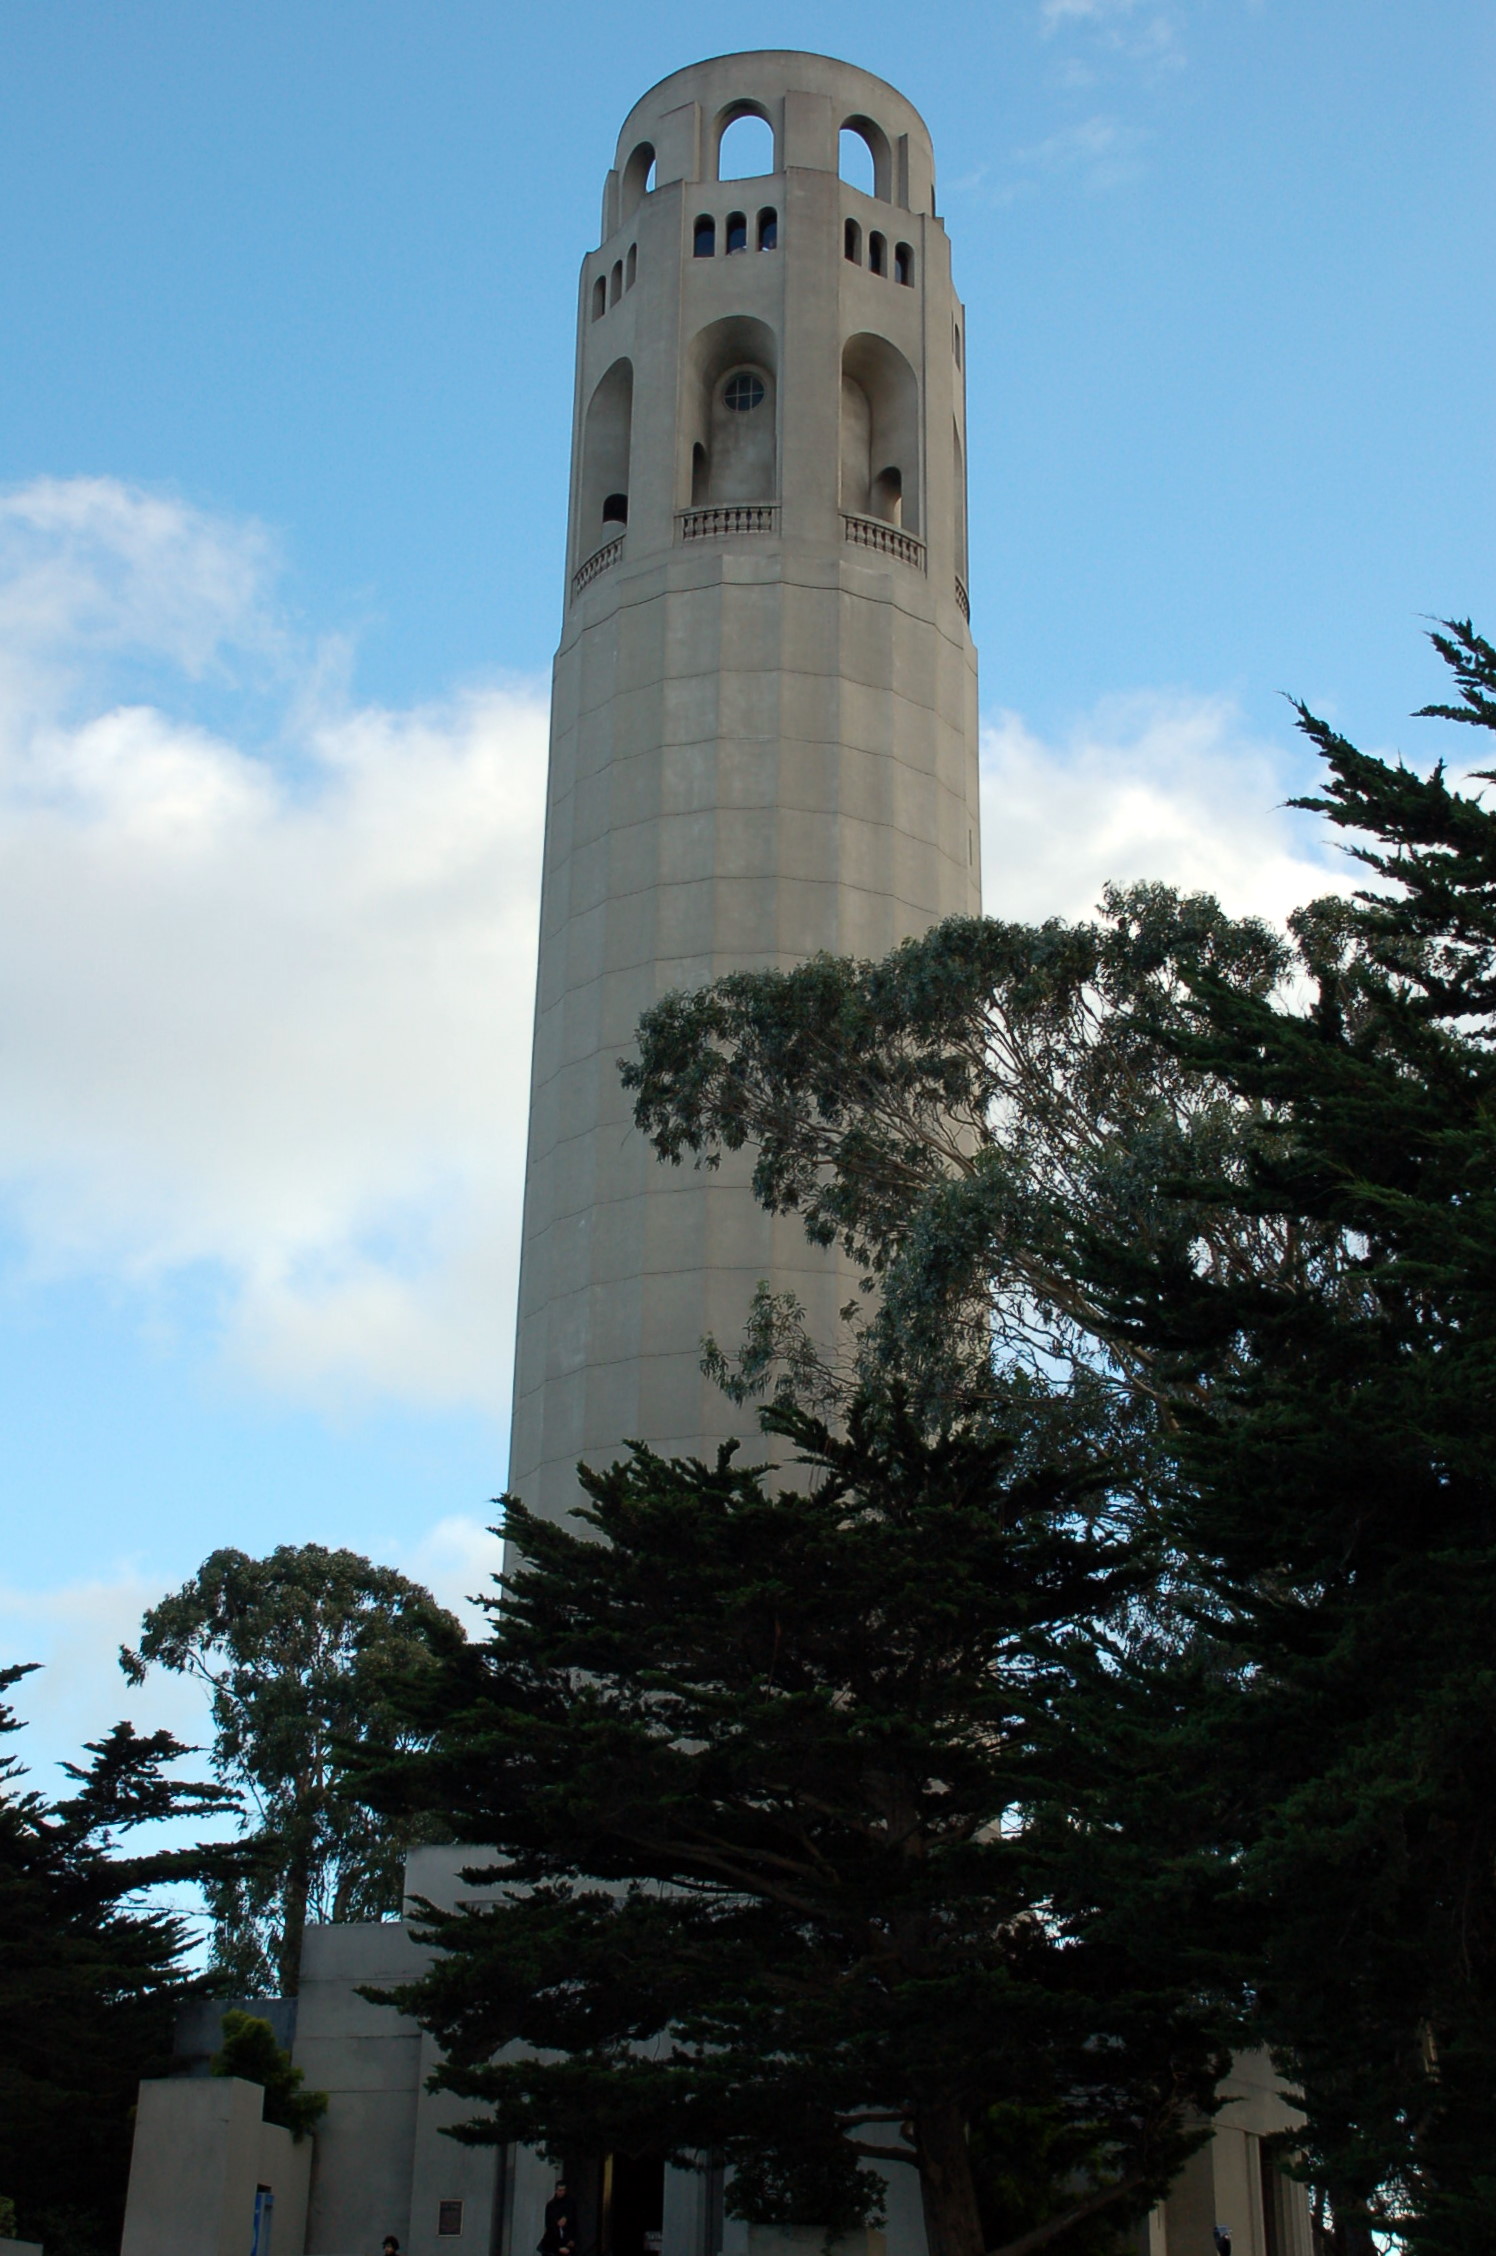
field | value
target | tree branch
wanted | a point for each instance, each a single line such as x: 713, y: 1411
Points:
x: 1071, y: 2216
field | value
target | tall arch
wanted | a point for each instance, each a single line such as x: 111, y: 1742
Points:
x: 607, y: 433
x: 745, y: 138
x: 876, y: 142
x: 638, y: 179
x: 731, y: 438
x: 880, y: 436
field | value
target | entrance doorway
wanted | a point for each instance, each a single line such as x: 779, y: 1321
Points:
x: 620, y: 2202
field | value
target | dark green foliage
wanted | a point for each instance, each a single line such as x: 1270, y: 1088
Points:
x: 805, y: 1808
x: 297, y: 1651
x: 90, y: 1981
x: 1341, y: 1491
x: 1271, y: 1211
x: 249, y: 2050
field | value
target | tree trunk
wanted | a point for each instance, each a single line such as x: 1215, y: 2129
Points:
x: 953, y: 2225
x: 298, y: 1884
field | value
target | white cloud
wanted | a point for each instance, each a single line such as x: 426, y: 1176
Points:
x: 1054, y: 13
x: 262, y: 1015
x: 74, y: 1631
x: 1102, y: 149
x: 265, y: 1016
x: 1140, y: 30
x: 78, y: 1692
x: 1146, y: 786
x: 457, y: 1560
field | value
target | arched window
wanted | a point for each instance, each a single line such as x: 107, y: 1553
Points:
x: 877, y: 253
x: 903, y: 265
x: 602, y: 504
x: 768, y: 229
x: 638, y: 178
x: 616, y: 289
x: 737, y: 232
x: 599, y: 297
x: 880, y: 442
x: 730, y: 415
x: 740, y: 437
x: 865, y: 159
x: 855, y: 160
x: 631, y: 267
x: 746, y: 149
x: 704, y: 243
x: 886, y: 499
x: 956, y: 341
x: 852, y: 242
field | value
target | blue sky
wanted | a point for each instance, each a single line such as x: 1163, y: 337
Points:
x: 287, y: 296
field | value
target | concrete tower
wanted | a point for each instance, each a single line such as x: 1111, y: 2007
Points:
x: 764, y: 744
x: 763, y: 736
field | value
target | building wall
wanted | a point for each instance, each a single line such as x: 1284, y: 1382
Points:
x: 367, y: 2058
x: 1225, y: 2182
x: 200, y: 2156
x: 382, y: 2164
x: 763, y: 730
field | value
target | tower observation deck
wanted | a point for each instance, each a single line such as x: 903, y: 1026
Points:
x: 763, y: 733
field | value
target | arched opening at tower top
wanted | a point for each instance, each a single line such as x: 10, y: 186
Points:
x: 864, y: 158
x: 638, y: 178
x: 746, y: 148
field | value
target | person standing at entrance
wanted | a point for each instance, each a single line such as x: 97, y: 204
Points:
x: 560, y: 2235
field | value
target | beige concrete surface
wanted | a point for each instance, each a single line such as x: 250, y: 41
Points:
x: 764, y: 734
x: 286, y: 2167
x: 195, y: 2164
x: 367, y: 2059
x: 1230, y: 2181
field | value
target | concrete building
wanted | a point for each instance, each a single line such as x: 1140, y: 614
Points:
x: 764, y: 726
x: 764, y: 744
x: 209, y: 2177
x: 380, y: 2163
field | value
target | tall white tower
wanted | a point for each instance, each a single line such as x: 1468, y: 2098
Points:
x: 763, y: 734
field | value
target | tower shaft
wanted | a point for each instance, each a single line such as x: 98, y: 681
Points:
x: 763, y: 737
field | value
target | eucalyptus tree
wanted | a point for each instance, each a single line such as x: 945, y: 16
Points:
x: 297, y: 1652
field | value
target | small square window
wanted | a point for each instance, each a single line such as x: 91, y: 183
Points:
x: 449, y: 2217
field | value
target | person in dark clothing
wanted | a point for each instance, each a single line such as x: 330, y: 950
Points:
x: 560, y: 2235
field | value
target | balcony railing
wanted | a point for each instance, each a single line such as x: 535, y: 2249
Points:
x: 598, y: 561
x: 726, y: 519
x: 884, y: 539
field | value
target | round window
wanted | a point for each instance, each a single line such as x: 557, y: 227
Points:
x: 743, y: 392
